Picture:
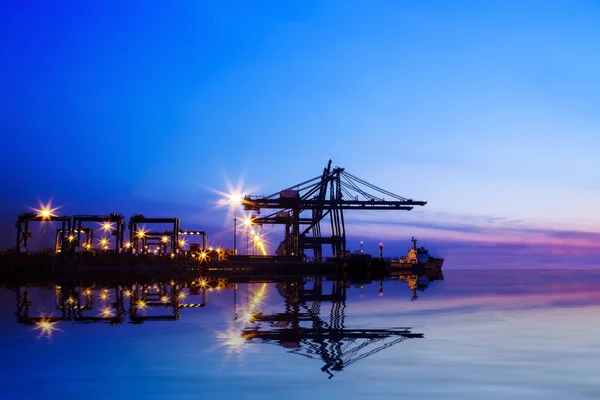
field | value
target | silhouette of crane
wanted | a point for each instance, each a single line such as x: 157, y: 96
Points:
x: 302, y: 232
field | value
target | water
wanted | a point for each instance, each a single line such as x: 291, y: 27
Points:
x: 486, y: 334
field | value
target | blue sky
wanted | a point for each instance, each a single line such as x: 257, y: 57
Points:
x: 488, y: 110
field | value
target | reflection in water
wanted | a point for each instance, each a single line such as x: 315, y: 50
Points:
x: 312, y: 323
x: 301, y: 328
x: 76, y: 304
x: 415, y: 282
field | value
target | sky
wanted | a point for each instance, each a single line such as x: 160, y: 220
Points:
x: 487, y: 110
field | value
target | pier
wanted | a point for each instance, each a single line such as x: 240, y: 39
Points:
x: 300, y: 209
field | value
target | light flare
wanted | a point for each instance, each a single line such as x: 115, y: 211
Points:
x: 46, y: 211
x: 46, y: 326
x: 106, y: 226
x: 107, y: 312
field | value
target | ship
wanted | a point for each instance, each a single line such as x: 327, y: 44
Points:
x: 419, y: 256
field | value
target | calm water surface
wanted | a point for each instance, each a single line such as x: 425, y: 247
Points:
x: 485, y: 334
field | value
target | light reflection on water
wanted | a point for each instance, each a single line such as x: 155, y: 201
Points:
x: 492, y: 334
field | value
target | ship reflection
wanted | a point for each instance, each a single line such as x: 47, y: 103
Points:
x: 311, y: 321
x: 416, y: 283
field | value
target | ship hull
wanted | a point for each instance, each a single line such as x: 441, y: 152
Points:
x: 413, y: 268
x: 434, y: 263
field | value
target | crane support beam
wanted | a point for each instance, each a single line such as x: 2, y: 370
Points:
x: 325, y: 197
x: 334, y: 204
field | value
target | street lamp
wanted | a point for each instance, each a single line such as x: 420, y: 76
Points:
x: 234, y: 199
x: 248, y: 222
x: 45, y: 212
x: 106, y: 226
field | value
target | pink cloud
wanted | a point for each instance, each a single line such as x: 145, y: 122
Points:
x: 553, y: 297
x: 524, y: 243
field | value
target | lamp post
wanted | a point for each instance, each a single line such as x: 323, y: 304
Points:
x: 235, y: 199
x: 45, y: 212
x: 247, y: 240
x: 235, y: 229
x: 248, y: 224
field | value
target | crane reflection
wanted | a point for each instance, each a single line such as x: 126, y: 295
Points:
x: 310, y: 318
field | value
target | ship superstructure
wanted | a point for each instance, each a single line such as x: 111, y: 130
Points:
x: 421, y: 256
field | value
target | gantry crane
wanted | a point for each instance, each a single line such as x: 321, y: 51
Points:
x: 137, y: 236
x: 106, y: 223
x: 22, y: 225
x: 303, y: 232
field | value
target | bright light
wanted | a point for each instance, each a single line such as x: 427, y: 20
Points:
x: 45, y: 211
x: 248, y: 317
x: 141, y: 304
x: 260, y: 244
x: 45, y: 326
x: 71, y: 238
x: 107, y: 312
x: 104, y: 242
x: 127, y: 293
x: 164, y: 239
x: 232, y: 339
x: 164, y: 299
x: 235, y: 198
x: 107, y: 226
x: 104, y: 296
x: 127, y: 245
x: 248, y: 221
x: 182, y: 242
x: 141, y: 233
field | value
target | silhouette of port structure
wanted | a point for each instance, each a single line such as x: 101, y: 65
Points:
x: 301, y: 328
x: 116, y: 305
x: 311, y: 214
